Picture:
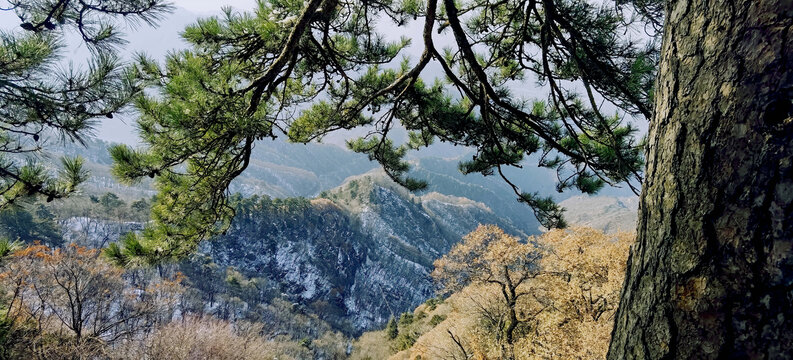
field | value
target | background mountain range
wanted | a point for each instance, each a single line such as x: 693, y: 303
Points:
x: 323, y: 229
x: 323, y: 240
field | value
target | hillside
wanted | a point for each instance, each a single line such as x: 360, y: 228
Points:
x: 354, y: 257
x: 350, y: 258
x: 568, y: 298
x: 277, y: 169
x: 608, y: 213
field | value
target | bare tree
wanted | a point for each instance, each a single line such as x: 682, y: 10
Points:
x: 76, y: 297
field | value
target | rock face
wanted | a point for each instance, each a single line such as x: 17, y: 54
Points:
x: 355, y: 257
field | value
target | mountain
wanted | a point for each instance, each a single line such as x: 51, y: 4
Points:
x: 355, y: 256
x: 277, y: 169
x: 350, y: 258
x: 282, y: 169
x: 608, y: 213
x: 444, y: 177
x: 356, y: 253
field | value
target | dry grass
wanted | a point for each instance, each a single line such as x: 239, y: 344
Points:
x: 205, y: 339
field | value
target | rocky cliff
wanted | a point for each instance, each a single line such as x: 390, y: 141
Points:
x: 354, y: 257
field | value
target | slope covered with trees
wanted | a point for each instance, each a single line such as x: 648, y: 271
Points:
x: 551, y: 297
x: 354, y: 257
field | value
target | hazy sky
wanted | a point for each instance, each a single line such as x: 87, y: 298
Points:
x: 158, y: 41
x: 213, y: 6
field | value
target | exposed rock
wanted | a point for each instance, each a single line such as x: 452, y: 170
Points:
x: 362, y: 254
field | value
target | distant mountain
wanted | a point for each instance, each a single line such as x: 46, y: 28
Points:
x: 444, y: 177
x: 278, y: 169
x: 282, y: 169
x: 608, y: 213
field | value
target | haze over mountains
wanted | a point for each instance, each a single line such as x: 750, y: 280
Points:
x: 361, y: 250
x: 321, y: 229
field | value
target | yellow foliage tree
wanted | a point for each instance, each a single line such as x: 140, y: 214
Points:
x: 550, y: 297
x: 489, y: 256
x: 580, y: 282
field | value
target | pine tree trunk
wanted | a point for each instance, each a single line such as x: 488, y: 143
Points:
x: 711, y: 275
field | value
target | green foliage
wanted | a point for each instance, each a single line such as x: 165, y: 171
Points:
x: 32, y: 179
x: 21, y: 225
x: 308, y: 68
x: 6, y: 328
x: 141, y: 207
x: 41, y: 102
x: 384, y: 152
x: 405, y: 340
x: 11, y: 335
x: 7, y: 247
x: 406, y: 319
x: 392, y: 329
x: 433, y: 303
x: 545, y: 209
x: 353, y: 188
x: 110, y: 201
x: 436, y: 319
x: 97, y: 207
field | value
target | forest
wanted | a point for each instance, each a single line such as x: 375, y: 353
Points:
x: 396, y: 179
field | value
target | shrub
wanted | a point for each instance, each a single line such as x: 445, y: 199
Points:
x: 406, y: 319
x: 391, y: 329
x: 437, y: 319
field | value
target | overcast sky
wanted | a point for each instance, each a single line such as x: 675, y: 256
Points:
x: 205, y: 6
x: 158, y: 41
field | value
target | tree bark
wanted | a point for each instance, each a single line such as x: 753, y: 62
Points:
x: 711, y: 275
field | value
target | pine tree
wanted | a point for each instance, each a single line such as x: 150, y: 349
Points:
x: 391, y: 330
x: 307, y: 68
x: 40, y: 102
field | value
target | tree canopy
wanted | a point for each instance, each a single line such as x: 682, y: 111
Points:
x: 307, y: 68
x: 43, y: 100
x: 551, y: 297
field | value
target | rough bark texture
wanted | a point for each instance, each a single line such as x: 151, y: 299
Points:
x: 711, y: 275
